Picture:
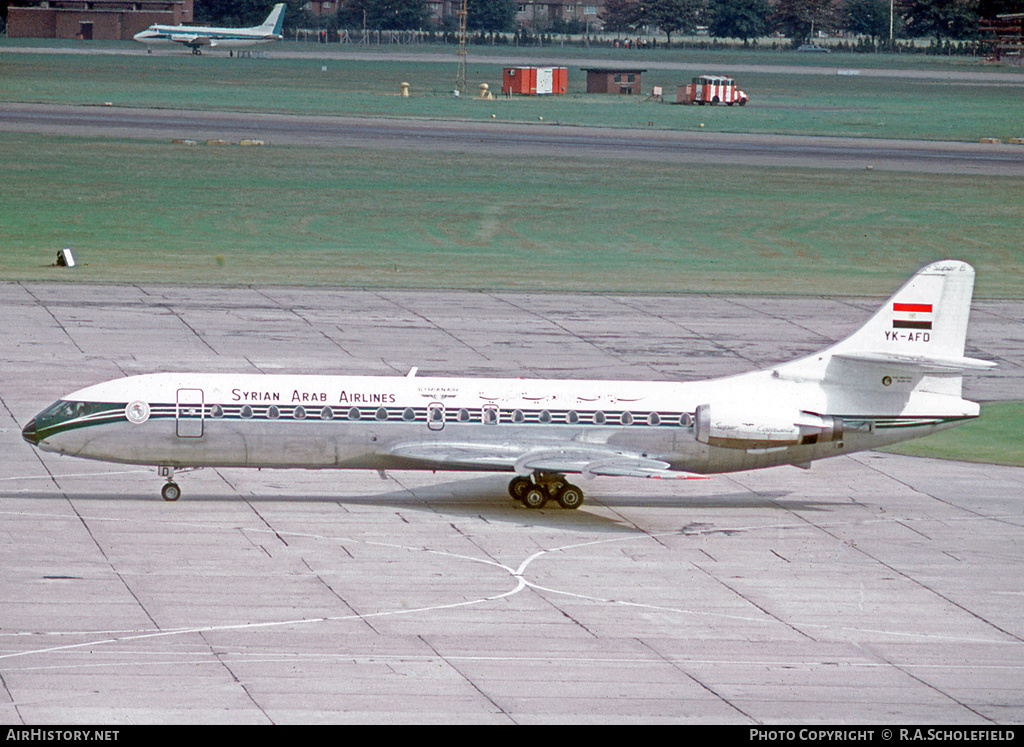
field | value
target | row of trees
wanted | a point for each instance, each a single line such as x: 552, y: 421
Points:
x: 483, y: 15
x: 733, y: 19
x: 800, y: 19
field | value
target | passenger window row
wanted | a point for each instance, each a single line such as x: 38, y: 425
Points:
x: 436, y: 414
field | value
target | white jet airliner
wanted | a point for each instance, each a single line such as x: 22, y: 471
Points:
x: 197, y: 37
x: 898, y: 377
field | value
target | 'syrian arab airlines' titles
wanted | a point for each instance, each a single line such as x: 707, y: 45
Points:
x: 898, y: 377
x: 197, y: 37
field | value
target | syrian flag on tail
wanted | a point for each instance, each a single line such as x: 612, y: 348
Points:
x: 912, y: 316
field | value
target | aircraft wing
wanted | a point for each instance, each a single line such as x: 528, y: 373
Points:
x: 191, y: 40
x: 596, y: 462
x: 447, y: 455
x: 638, y: 467
x: 527, y: 459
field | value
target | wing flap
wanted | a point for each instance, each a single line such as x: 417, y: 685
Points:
x: 634, y: 467
x: 558, y: 460
x: 525, y: 460
x: 459, y: 455
x: 594, y: 463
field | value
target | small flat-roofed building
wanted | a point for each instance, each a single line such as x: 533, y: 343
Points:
x: 93, y: 19
x: 613, y: 80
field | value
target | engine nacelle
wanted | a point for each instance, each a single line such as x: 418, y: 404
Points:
x: 763, y: 429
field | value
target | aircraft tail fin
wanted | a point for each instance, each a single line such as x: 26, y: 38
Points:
x: 923, y: 325
x: 274, y: 22
x: 909, y: 354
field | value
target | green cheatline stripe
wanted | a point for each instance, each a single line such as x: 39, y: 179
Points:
x: 993, y: 438
x: 88, y: 413
x: 889, y: 422
x: 104, y: 414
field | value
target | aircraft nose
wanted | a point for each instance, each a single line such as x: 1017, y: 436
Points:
x: 29, y: 433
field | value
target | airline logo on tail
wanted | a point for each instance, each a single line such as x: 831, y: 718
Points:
x: 911, y: 322
x: 909, y: 316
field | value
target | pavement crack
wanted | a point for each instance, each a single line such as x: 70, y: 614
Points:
x: 696, y: 680
x: 467, y: 678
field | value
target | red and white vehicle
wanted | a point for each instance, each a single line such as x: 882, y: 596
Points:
x: 711, y: 89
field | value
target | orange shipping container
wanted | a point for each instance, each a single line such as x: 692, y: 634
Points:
x: 527, y: 81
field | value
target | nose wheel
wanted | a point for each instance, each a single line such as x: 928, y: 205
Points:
x: 170, y: 491
x: 536, y: 491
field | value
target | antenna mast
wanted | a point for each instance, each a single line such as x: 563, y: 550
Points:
x: 460, y: 74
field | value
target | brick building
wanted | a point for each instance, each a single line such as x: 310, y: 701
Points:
x: 614, y: 80
x: 93, y: 19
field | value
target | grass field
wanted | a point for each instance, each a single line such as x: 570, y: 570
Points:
x: 353, y: 217
x: 323, y: 216
x: 841, y: 105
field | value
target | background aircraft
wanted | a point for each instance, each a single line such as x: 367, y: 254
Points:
x: 898, y: 377
x: 197, y: 37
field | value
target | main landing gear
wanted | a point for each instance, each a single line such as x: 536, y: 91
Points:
x: 535, y: 491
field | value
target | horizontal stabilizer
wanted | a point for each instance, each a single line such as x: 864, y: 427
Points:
x: 920, y: 363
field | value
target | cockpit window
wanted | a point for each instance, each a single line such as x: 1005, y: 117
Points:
x: 62, y: 410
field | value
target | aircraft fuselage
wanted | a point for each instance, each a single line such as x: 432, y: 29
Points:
x: 469, y: 424
x: 897, y: 377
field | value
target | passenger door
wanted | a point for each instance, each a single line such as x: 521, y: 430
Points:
x: 188, y: 415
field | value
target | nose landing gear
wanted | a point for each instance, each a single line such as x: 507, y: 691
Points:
x: 170, y: 491
x: 536, y: 491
